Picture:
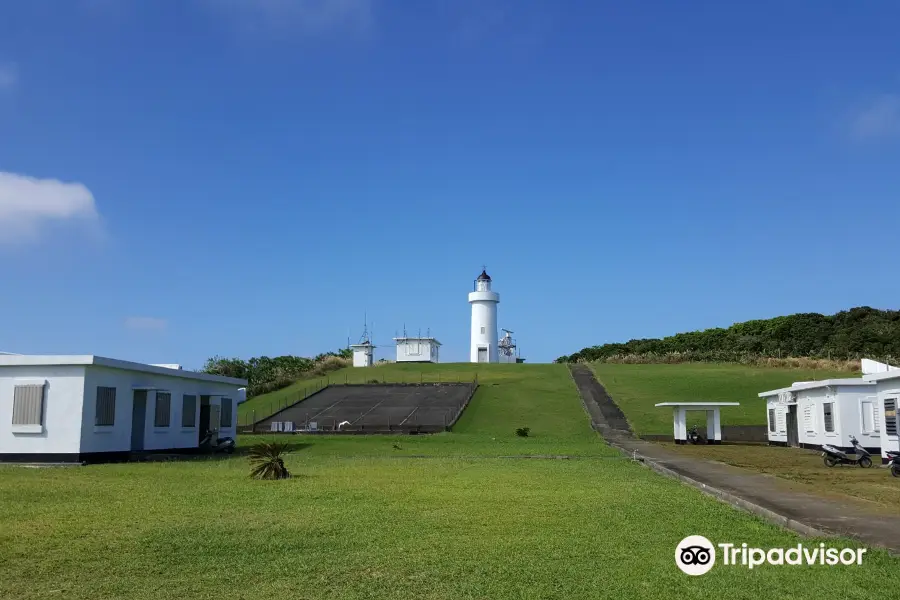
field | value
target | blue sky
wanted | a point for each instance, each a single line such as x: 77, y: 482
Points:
x: 180, y: 179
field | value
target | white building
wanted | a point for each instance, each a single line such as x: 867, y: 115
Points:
x: 484, y: 345
x: 887, y: 392
x: 417, y: 349
x: 363, y: 354
x: 90, y: 408
x: 811, y: 413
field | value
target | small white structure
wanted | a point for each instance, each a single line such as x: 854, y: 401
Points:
x: 713, y: 419
x: 85, y: 408
x: 887, y: 403
x: 811, y: 413
x: 484, y: 345
x: 417, y: 349
x: 363, y: 354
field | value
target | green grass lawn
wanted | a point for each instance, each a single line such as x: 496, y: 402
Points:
x: 637, y: 388
x: 439, y: 517
x: 874, y: 485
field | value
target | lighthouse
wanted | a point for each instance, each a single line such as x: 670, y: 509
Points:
x: 484, y: 320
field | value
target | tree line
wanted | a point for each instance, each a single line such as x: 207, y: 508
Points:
x: 265, y: 374
x: 856, y: 333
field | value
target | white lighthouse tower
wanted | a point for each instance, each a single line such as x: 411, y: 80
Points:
x: 484, y: 320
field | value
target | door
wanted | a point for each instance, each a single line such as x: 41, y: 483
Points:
x: 791, y: 421
x: 138, y: 420
x: 203, y: 429
x: 482, y: 355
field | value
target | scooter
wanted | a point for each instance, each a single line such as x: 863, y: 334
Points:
x: 894, y: 462
x: 694, y: 437
x: 225, y: 444
x: 832, y: 456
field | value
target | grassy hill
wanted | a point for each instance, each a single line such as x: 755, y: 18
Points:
x: 636, y: 388
x: 541, y: 397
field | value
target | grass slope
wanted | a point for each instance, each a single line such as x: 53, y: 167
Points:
x: 637, y: 388
x: 363, y: 519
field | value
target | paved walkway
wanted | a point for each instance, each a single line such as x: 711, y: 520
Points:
x: 775, y: 499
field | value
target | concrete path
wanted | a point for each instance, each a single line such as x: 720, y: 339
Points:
x: 777, y: 500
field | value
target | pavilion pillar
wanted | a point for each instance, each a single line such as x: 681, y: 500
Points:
x: 680, y: 418
x: 713, y: 426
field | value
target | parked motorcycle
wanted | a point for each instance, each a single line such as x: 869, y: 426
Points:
x: 894, y: 462
x: 833, y: 456
x: 225, y: 444
x: 694, y: 436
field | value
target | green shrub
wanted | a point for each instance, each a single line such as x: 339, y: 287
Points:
x: 267, y: 462
x: 523, y: 431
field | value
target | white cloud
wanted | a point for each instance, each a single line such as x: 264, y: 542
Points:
x: 146, y: 324
x: 290, y: 17
x: 28, y: 204
x: 879, y: 119
x: 9, y: 76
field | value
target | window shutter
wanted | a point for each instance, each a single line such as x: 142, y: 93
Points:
x: 890, y: 416
x: 28, y: 405
x: 225, y: 415
x: 163, y: 414
x: 106, y: 407
x: 188, y: 410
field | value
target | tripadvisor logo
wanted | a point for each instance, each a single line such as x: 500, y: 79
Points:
x: 696, y: 555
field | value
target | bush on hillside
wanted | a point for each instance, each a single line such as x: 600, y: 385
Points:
x: 265, y: 374
x: 523, y: 431
x: 844, y: 337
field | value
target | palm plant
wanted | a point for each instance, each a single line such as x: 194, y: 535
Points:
x: 267, y: 462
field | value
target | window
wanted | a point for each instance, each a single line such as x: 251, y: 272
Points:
x: 828, y: 409
x: 772, y: 419
x: 869, y: 419
x: 225, y: 415
x: 163, y: 415
x: 482, y: 330
x: 890, y: 416
x: 188, y: 410
x: 28, y: 405
x: 106, y: 407
x: 809, y: 419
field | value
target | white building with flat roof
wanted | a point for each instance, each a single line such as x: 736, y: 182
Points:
x: 811, y: 413
x: 85, y: 408
x: 418, y: 349
x: 887, y: 394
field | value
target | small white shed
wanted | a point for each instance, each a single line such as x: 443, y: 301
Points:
x: 87, y: 408
x: 363, y: 354
x: 417, y: 349
x: 811, y: 413
x: 887, y: 392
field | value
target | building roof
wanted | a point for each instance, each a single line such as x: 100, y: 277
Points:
x: 484, y: 276
x: 41, y: 360
x: 811, y: 385
x: 698, y: 404
x: 872, y: 378
x: 417, y: 339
